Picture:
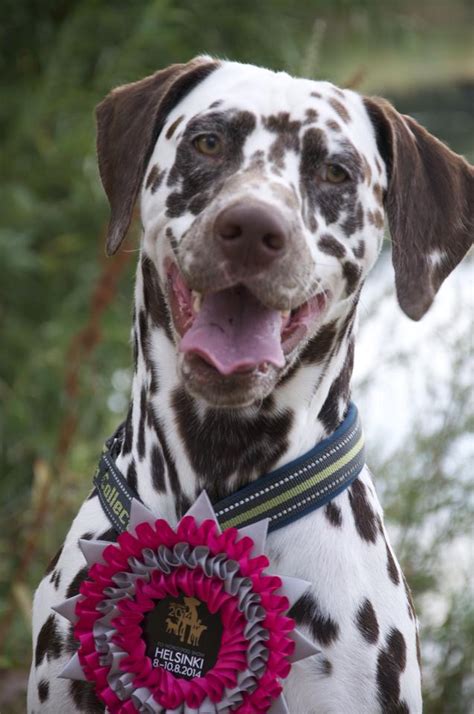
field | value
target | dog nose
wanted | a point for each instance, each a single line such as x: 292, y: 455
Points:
x: 253, y: 234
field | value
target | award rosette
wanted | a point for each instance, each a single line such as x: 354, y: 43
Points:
x: 184, y: 620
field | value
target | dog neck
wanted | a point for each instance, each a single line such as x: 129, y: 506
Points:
x: 175, y: 445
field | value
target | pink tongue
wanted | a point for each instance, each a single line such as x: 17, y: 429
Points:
x: 234, y: 332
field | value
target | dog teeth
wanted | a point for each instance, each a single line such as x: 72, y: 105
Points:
x: 285, y: 314
x: 197, y: 301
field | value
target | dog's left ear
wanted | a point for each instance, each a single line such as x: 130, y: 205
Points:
x: 129, y: 121
x: 429, y: 205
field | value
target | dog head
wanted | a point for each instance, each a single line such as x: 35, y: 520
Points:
x: 262, y: 201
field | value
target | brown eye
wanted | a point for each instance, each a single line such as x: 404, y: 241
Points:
x: 208, y: 144
x: 336, y: 174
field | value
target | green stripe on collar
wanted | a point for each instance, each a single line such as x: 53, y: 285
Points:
x: 301, y: 486
x: 283, y: 496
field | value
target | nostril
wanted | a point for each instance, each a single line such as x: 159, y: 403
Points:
x: 273, y: 241
x: 230, y: 231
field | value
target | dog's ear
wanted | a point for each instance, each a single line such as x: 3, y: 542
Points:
x: 429, y: 205
x: 129, y: 121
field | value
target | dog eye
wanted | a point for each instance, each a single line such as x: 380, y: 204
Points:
x: 208, y: 144
x: 335, y: 174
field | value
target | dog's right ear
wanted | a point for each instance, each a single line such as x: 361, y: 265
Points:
x: 429, y: 205
x: 129, y: 121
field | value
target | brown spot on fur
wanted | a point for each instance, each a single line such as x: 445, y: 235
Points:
x: 238, y: 446
x: 287, y: 136
x: 367, y: 622
x: 340, y: 109
x: 378, y: 193
x: 319, y: 347
x: 49, y: 642
x: 392, y: 566
x: 311, y: 116
x: 323, y: 667
x: 330, y: 415
x: 375, y: 218
x: 172, y: 239
x: 132, y: 475
x: 172, y: 127
x: 391, y: 663
x: 56, y: 578
x: 215, y: 104
x: 71, y: 644
x: 43, y: 691
x: 128, y: 432
x: 333, y: 124
x: 184, y: 505
x: 354, y: 221
x: 364, y: 517
x: 135, y: 348
x: 331, y: 246
x: 154, y: 171
x: 333, y: 514
x: 352, y: 273
x: 378, y: 219
x: 326, y: 667
x: 76, y: 582
x: 157, y: 469
x: 155, y: 304
x: 155, y: 178
x: 348, y: 324
x: 311, y: 221
x: 359, y: 251
x: 306, y: 611
x: 257, y: 161
x: 84, y: 697
x: 316, y: 95
x: 143, y: 333
x: 141, y: 446
x: 367, y: 171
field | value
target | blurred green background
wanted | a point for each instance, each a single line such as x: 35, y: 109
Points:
x: 65, y: 310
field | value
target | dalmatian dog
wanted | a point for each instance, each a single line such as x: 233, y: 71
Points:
x: 263, y: 199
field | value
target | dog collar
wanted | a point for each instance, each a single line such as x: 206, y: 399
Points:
x: 283, y: 496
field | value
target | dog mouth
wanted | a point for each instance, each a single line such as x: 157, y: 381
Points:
x: 232, y: 331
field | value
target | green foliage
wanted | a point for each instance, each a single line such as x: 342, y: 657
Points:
x: 64, y: 362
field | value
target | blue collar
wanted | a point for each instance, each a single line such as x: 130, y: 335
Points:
x: 284, y: 495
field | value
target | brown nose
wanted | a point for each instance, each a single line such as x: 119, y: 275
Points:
x: 252, y: 234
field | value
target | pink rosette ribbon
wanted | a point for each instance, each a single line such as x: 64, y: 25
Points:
x: 225, y: 571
